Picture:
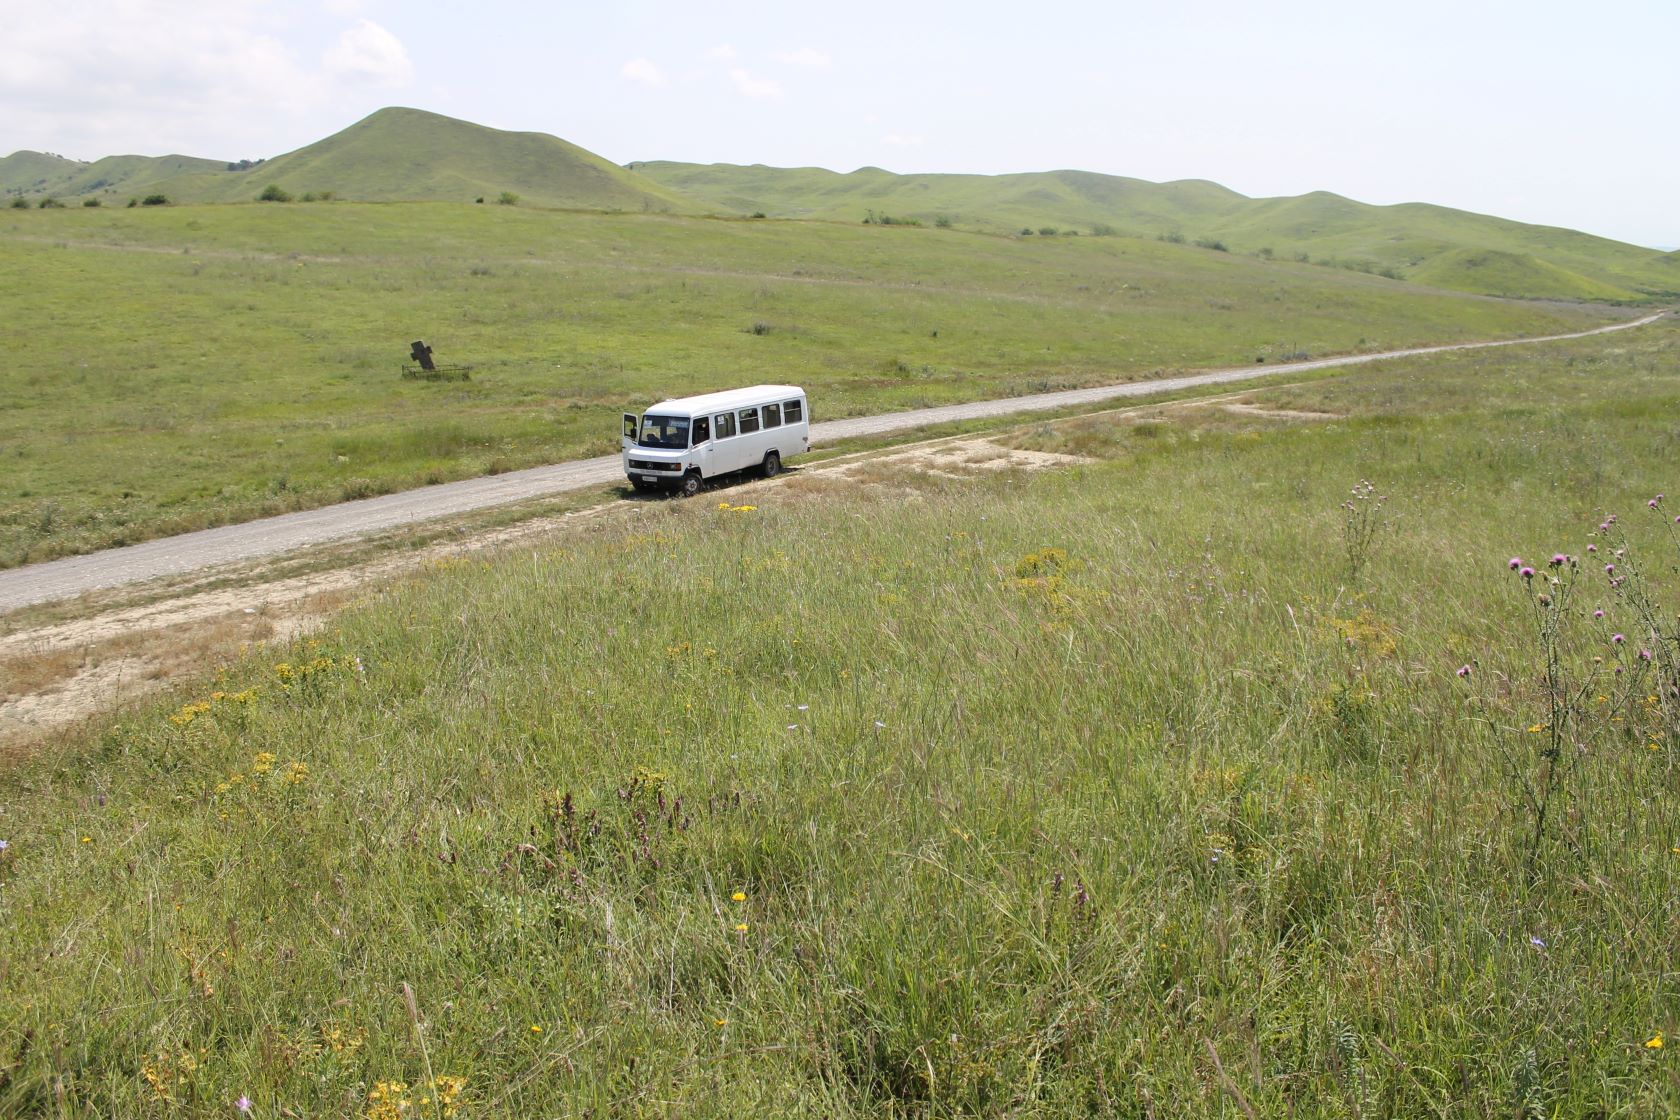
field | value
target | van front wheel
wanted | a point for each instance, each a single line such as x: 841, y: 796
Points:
x: 691, y: 484
x: 772, y: 465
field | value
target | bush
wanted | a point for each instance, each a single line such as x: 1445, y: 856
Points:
x: 50, y: 203
x: 1103, y: 229
x: 506, y: 198
x: 758, y: 214
x: 155, y: 200
x: 274, y: 193
x: 943, y: 221
x: 91, y: 202
x: 20, y: 203
x: 1213, y: 243
x: 1173, y: 238
x: 1047, y: 231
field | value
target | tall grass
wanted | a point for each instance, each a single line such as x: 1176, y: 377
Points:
x: 1107, y: 791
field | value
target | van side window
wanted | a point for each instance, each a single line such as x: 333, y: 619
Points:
x: 772, y: 416
x: 749, y: 420
x: 701, y: 431
x: 725, y: 425
x: 794, y: 411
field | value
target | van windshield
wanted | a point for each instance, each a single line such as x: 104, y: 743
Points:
x: 669, y: 432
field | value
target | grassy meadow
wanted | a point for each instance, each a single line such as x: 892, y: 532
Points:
x: 170, y: 368
x: 1197, y: 781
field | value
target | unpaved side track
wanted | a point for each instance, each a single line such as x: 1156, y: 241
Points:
x: 292, y: 532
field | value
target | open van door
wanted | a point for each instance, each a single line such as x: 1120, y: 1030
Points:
x: 629, y: 430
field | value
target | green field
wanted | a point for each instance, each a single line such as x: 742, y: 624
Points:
x: 1148, y: 787
x: 175, y: 367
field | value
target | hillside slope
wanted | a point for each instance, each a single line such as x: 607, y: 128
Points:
x: 1401, y: 241
x: 395, y: 154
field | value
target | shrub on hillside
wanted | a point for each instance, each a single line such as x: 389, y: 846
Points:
x: 20, y: 203
x: 155, y: 200
x: 1212, y: 243
x: 274, y: 193
x: 50, y: 203
x: 507, y: 198
x: 91, y: 202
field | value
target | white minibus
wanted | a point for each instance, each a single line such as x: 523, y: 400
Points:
x: 680, y: 444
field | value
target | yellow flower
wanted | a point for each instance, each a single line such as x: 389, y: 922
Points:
x: 536, y: 1029
x: 87, y: 839
x: 1654, y: 1042
x: 738, y: 896
x: 720, y: 1022
x: 740, y: 927
x: 1537, y: 729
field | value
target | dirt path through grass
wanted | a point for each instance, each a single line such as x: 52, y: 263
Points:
x: 292, y: 532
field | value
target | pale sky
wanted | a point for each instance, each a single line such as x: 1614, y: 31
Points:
x: 1541, y: 111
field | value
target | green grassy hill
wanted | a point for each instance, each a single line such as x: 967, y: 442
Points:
x: 35, y: 174
x: 1400, y: 241
x: 394, y: 155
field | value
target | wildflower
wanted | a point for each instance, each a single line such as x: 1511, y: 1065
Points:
x: 243, y: 1104
x: 1559, y: 560
x: 1592, y: 548
x: 1464, y: 670
x: 536, y: 1028
x: 740, y: 927
x: 4, y: 845
x: 1527, y: 572
x: 1652, y: 503
x: 1644, y: 655
x: 1516, y: 562
x: 1537, y: 729
x: 1617, y: 639
x: 87, y: 839
x: 720, y: 1023
x: 1598, y: 614
x: 1609, y: 569
x: 1654, y: 1042
x: 1536, y: 942
x: 738, y: 896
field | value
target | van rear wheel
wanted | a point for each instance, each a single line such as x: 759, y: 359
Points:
x: 772, y: 464
x: 691, y: 484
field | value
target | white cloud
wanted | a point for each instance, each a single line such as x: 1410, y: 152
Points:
x: 644, y: 71
x: 723, y: 52
x: 369, y: 53
x: 219, y: 80
x: 804, y: 56
x: 895, y: 140
x: 750, y: 86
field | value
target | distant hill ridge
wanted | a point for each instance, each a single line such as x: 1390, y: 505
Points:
x: 399, y: 154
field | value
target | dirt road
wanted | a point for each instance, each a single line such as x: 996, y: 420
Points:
x: 292, y: 532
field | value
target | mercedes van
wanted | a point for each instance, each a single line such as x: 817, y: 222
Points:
x: 680, y: 444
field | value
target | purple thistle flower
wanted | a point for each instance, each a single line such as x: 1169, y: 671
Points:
x: 1464, y: 670
x: 1559, y: 560
x: 1644, y: 655
x: 1527, y: 572
x: 1617, y: 639
x: 1516, y: 562
x: 1609, y: 569
x: 1598, y: 613
x: 243, y: 1104
x: 1652, y: 503
x: 1592, y: 548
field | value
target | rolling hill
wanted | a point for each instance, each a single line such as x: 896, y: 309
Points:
x: 395, y: 154
x: 1430, y: 244
x: 399, y: 154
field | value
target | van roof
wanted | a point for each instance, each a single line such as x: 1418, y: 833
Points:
x: 729, y: 398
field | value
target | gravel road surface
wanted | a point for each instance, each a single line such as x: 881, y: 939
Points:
x: 292, y: 532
